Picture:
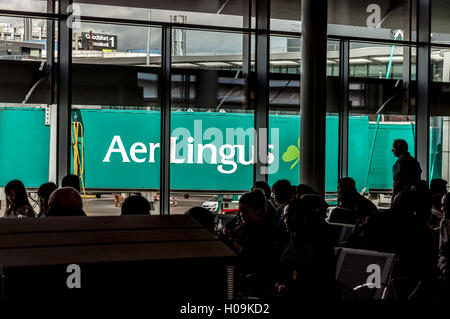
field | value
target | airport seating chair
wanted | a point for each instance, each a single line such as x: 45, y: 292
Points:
x: 354, y: 266
x: 340, y: 233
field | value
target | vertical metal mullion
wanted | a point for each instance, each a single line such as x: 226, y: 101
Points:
x: 343, y: 107
x: 423, y: 85
x: 261, y: 90
x: 50, y: 54
x: 64, y: 95
x: 165, y: 119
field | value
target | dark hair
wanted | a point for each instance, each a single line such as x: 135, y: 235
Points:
x: 20, y: 191
x: 65, y: 201
x: 136, y: 205
x: 303, y: 189
x: 401, y: 146
x: 45, y: 190
x: 72, y: 181
x: 203, y: 216
x: 438, y: 186
x: 282, y: 190
x: 264, y: 186
x: 309, y: 209
x: 255, y: 200
x: 348, y: 185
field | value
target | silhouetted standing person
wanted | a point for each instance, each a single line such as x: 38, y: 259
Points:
x: 406, y: 170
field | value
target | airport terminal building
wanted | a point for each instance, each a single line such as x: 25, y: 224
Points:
x: 189, y: 104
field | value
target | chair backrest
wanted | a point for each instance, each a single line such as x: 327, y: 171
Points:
x: 355, y: 266
x: 340, y: 233
x: 221, y: 222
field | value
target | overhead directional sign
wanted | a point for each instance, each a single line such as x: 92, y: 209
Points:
x: 98, y: 41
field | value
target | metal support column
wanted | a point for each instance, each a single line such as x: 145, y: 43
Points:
x: 50, y: 54
x: 313, y: 94
x: 343, y: 107
x: 52, y: 108
x: 262, y: 90
x: 165, y: 119
x: 423, y: 85
x: 246, y: 53
x: 64, y: 95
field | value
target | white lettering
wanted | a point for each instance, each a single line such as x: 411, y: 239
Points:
x: 138, y: 148
x: 120, y: 149
x: 152, y: 148
x: 225, y: 159
x: 201, y: 148
x: 173, y: 150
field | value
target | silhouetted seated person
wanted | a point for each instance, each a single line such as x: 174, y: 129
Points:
x: 303, y: 189
x: 444, y: 248
x: 65, y: 201
x: 136, y: 205
x: 352, y: 206
x: 438, y: 188
x: 254, y: 240
x: 205, y: 217
x: 308, y: 265
x: 403, y: 230
x: 17, y: 203
x: 282, y: 194
x: 44, y: 191
x: 71, y: 181
x: 264, y: 186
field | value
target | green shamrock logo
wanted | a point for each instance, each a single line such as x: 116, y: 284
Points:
x: 292, y: 153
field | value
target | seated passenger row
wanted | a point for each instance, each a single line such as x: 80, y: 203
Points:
x: 64, y: 201
x: 286, y: 248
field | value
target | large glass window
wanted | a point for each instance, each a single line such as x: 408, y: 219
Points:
x: 440, y: 115
x: 439, y: 22
x: 284, y: 116
x: 116, y: 114
x: 24, y: 103
x: 24, y: 5
x: 380, y: 112
x: 231, y: 13
x: 382, y: 19
x: 211, y: 121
